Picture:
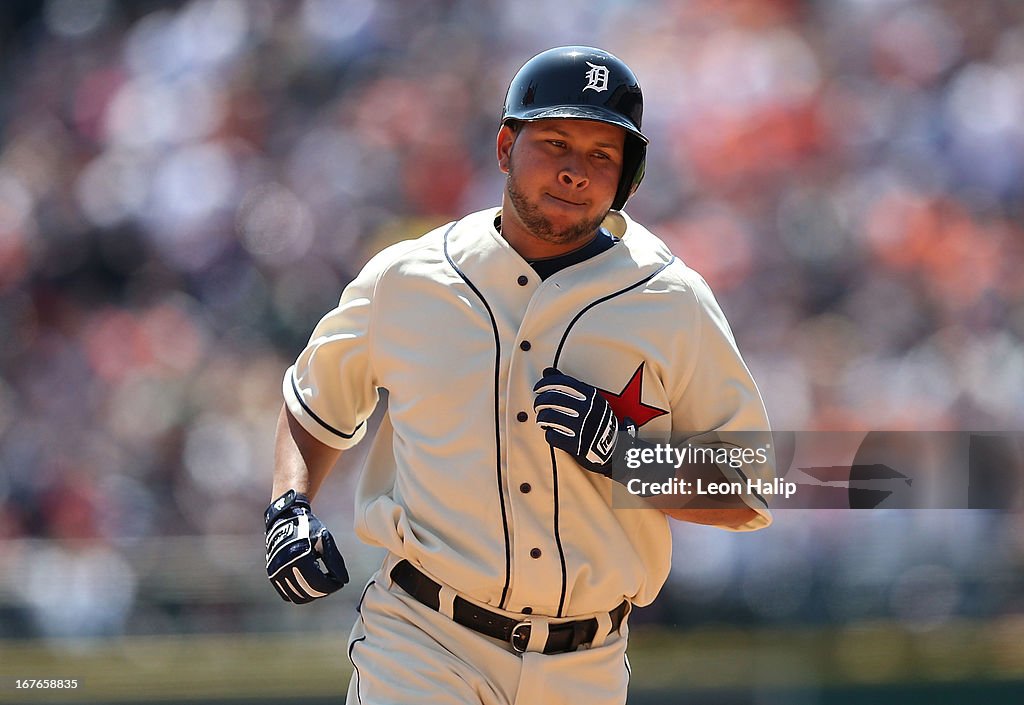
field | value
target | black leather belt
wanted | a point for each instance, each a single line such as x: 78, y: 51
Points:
x: 563, y: 637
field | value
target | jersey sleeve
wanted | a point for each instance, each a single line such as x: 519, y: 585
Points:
x: 718, y: 404
x: 331, y: 389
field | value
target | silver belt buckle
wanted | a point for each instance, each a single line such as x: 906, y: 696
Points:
x: 516, y: 636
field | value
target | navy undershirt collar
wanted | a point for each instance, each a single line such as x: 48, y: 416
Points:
x: 551, y: 265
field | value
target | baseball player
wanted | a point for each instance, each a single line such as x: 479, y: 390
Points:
x: 523, y: 348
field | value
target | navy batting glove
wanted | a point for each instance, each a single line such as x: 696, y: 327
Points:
x: 577, y: 419
x: 303, y: 561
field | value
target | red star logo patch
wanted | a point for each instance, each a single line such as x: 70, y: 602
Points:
x: 627, y: 403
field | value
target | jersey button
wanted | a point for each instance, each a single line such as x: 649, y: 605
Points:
x: 525, y: 345
x: 527, y: 610
x: 522, y: 416
x: 522, y: 280
x: 525, y: 487
x: 534, y: 553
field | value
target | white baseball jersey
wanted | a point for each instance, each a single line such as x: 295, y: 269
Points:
x: 458, y: 328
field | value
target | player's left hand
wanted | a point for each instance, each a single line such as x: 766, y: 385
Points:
x: 298, y: 545
x: 577, y: 419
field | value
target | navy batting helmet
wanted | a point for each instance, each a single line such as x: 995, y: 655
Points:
x: 583, y: 83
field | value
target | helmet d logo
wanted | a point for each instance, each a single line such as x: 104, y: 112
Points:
x: 597, y: 78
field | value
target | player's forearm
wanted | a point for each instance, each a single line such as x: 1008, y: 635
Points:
x: 301, y: 462
x: 729, y: 518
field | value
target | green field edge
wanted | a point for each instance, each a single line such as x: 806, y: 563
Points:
x: 267, y: 666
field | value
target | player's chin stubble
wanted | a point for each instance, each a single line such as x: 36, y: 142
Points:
x: 535, y: 221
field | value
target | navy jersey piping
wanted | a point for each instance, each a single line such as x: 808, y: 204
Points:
x: 554, y: 462
x: 359, y: 611
x: 312, y: 414
x: 497, y: 415
x: 355, y: 668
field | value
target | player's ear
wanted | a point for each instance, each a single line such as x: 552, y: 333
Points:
x: 506, y: 138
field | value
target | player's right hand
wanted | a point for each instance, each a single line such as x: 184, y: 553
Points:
x: 576, y: 418
x: 303, y: 562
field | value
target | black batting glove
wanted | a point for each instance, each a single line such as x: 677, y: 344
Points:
x: 577, y: 419
x: 303, y: 562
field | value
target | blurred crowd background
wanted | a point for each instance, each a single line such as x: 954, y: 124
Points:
x: 185, y: 187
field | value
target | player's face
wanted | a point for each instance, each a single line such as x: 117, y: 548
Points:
x: 562, y: 177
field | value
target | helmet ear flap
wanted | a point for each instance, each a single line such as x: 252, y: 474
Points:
x: 634, y: 165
